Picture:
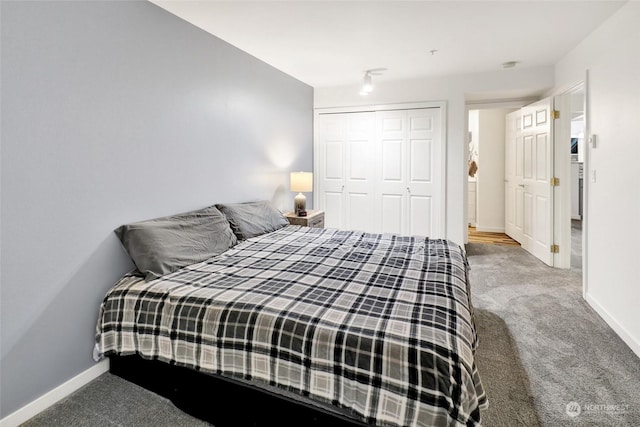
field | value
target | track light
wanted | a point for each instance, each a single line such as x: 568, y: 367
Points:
x: 367, y: 84
x: 367, y: 81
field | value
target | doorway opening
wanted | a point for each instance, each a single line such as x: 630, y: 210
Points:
x: 564, y: 171
x: 486, y: 176
x: 574, y: 100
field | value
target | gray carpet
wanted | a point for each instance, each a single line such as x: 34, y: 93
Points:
x: 111, y: 401
x: 541, y: 347
x: 565, y: 351
x: 505, y: 381
x: 576, y: 245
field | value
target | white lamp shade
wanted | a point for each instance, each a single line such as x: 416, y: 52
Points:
x: 301, y: 182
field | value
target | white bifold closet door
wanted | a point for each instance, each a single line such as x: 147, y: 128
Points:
x: 381, y: 172
x: 346, y: 170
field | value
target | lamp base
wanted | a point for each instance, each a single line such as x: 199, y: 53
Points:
x: 300, y: 205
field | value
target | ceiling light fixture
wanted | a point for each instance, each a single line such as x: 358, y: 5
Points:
x: 367, y: 84
x: 367, y: 81
x: 509, y: 64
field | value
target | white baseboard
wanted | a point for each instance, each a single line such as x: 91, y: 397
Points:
x: 48, y: 399
x: 633, y: 343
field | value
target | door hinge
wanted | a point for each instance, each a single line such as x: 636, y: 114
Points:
x: 555, y: 249
x: 555, y: 182
x: 555, y: 114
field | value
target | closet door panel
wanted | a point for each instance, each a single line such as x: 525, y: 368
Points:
x: 333, y: 165
x: 421, y: 160
x: 359, y: 164
x: 391, y: 172
x: 359, y: 212
x: 423, y: 164
x: 345, y: 175
x: 391, y: 213
x: 359, y: 172
x: 421, y: 216
x: 333, y: 206
x: 330, y: 177
x: 392, y: 161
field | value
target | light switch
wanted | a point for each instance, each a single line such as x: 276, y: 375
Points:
x: 593, y: 140
x: 593, y: 176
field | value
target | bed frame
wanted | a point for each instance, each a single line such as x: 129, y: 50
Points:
x: 216, y: 399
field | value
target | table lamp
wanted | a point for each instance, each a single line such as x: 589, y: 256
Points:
x: 301, y: 182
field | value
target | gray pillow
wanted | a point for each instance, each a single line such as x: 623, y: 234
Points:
x: 252, y: 219
x: 163, y: 245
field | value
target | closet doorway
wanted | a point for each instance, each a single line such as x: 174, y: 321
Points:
x: 381, y: 169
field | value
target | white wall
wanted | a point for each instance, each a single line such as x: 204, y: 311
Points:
x: 454, y: 90
x: 610, y: 54
x: 490, y: 182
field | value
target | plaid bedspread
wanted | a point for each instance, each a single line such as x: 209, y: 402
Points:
x: 379, y: 324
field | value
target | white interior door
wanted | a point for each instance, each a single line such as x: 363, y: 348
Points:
x: 514, y: 170
x: 538, y: 144
x: 529, y: 197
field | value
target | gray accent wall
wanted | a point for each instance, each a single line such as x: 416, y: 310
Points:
x: 114, y: 112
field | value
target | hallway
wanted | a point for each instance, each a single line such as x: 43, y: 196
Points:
x: 490, y: 238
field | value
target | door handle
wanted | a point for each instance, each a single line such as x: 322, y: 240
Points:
x: 408, y: 190
x: 521, y: 185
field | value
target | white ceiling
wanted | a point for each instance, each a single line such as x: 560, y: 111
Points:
x: 331, y: 43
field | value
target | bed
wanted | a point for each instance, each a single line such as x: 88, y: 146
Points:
x: 377, y: 328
